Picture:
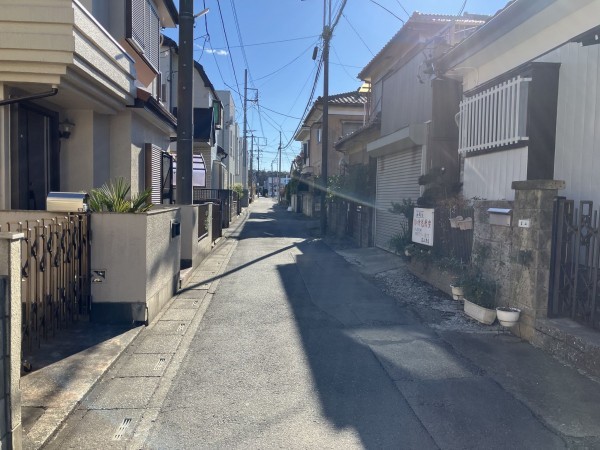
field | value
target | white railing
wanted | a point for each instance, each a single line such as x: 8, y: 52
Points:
x: 495, y: 117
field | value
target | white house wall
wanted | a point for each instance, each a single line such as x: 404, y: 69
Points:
x: 76, y: 153
x: 101, y: 58
x: 577, y: 159
x: 101, y: 154
x: 534, y: 37
x: 490, y: 176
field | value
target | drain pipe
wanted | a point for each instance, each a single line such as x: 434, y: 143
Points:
x: 10, y: 101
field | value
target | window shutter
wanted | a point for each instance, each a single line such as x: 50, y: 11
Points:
x: 153, y: 35
x: 153, y: 172
x: 137, y: 12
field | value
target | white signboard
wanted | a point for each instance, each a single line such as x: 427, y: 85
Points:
x: 422, y: 232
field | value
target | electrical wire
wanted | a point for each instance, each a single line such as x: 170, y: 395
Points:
x: 403, y: 8
x: 288, y: 64
x: 229, y: 50
x: 340, y: 63
x: 239, y: 33
x: 383, y: 7
x: 358, y: 34
x: 277, y: 42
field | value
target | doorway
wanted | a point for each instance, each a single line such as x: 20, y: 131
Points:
x: 34, y: 156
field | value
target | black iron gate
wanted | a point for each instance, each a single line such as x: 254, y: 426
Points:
x: 575, y: 268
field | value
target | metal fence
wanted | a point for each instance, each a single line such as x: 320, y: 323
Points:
x: 575, y: 267
x: 202, y: 220
x: 450, y: 241
x: 55, y: 267
x: 224, y: 197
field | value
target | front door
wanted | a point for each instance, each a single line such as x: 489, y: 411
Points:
x: 34, y: 157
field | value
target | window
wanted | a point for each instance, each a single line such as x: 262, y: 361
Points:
x: 143, y: 30
x: 305, y: 147
x: 217, y: 114
x: 319, y: 131
x: 350, y: 127
x: 495, y: 117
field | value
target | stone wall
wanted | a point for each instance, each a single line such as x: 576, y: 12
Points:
x: 517, y: 257
x: 10, y: 338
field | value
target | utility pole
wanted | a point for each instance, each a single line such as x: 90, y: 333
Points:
x: 245, y: 181
x: 325, y: 133
x: 251, y: 161
x: 257, y: 157
x: 279, y: 173
x: 185, y: 87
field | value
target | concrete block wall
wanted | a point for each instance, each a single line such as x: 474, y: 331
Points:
x: 518, y: 258
x: 10, y: 338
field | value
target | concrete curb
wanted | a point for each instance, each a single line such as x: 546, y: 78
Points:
x: 59, y: 388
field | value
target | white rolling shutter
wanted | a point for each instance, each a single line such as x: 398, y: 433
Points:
x: 397, y: 179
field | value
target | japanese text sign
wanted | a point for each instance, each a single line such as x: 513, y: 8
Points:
x: 422, y: 231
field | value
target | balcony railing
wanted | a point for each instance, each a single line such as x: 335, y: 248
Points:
x: 495, y: 117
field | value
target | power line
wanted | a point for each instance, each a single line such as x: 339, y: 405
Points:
x: 403, y: 8
x: 343, y: 67
x: 383, y: 7
x: 239, y: 33
x: 358, y: 34
x: 227, y: 42
x: 288, y: 64
x: 281, y: 114
x: 276, y: 42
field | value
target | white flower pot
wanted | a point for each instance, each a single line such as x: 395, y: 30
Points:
x: 454, y: 221
x: 479, y: 313
x: 508, y: 317
x: 466, y: 224
x: 457, y: 292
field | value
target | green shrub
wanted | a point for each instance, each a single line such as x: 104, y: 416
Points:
x: 113, y: 197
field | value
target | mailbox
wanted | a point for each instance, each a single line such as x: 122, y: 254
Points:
x: 67, y: 202
x: 500, y: 216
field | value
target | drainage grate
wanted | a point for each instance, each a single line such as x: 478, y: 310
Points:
x: 122, y: 428
x: 160, y: 364
x: 181, y: 327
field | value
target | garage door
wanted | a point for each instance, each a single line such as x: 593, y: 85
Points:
x: 397, y: 179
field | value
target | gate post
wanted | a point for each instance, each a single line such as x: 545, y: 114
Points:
x: 532, y: 249
x: 10, y: 333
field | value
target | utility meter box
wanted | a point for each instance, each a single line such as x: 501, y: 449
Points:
x: 67, y: 202
x: 500, y: 216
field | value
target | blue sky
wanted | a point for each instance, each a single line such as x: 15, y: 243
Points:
x: 278, y: 38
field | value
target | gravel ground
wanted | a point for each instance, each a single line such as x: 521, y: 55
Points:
x: 436, y: 308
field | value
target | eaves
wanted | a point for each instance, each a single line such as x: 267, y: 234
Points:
x: 513, y: 15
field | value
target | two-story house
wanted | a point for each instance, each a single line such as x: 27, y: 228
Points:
x: 79, y: 95
x: 346, y: 114
x: 411, y: 114
x: 228, y: 140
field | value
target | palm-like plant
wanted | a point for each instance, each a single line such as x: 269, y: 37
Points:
x: 112, y: 197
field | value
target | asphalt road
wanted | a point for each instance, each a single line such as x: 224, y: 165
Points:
x: 297, y: 350
x: 284, y: 344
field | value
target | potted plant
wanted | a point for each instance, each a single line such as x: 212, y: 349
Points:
x: 479, y: 293
x: 457, y: 286
x: 455, y: 220
x: 508, y: 316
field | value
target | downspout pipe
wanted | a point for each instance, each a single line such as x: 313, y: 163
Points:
x: 10, y: 101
